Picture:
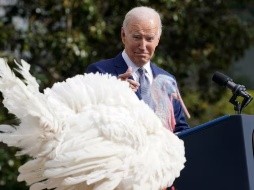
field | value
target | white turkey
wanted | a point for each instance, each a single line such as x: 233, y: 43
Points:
x: 88, y: 132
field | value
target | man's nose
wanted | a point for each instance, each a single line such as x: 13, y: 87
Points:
x: 142, y: 44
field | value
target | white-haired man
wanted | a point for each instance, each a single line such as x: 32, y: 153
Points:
x: 140, y: 33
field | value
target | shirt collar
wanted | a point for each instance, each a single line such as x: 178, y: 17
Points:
x: 135, y: 67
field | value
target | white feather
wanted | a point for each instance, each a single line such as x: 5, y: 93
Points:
x: 23, y: 69
x: 88, y: 132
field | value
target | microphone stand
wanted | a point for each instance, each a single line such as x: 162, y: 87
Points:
x: 238, y: 107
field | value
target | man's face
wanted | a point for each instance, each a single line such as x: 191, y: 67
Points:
x: 140, y: 39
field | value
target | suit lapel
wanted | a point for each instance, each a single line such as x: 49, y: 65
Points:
x: 155, y: 70
x: 119, y: 64
x: 121, y: 67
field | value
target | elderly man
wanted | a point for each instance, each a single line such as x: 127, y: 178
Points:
x: 140, y: 35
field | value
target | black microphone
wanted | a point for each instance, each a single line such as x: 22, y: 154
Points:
x: 226, y: 81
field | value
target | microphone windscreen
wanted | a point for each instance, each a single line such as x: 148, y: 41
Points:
x: 220, y: 78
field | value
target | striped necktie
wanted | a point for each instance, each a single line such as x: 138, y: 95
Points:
x: 144, y: 87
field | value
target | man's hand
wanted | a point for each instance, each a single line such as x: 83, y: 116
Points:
x: 134, y: 85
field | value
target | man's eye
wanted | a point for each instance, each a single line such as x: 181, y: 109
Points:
x: 136, y: 37
x: 149, y: 39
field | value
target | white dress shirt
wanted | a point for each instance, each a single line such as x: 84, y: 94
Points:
x: 135, y: 68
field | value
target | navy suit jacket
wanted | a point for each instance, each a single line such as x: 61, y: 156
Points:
x: 117, y: 66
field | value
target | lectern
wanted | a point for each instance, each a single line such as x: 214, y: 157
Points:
x: 219, y: 154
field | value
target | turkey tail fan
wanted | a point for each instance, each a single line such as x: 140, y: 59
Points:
x: 31, y: 107
x: 90, y: 132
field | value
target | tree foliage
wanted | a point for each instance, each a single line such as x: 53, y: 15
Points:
x: 61, y: 37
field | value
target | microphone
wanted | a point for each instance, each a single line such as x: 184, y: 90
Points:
x: 226, y: 81
x: 237, y: 89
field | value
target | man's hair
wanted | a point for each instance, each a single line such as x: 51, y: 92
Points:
x: 142, y: 13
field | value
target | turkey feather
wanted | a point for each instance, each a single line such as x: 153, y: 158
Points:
x: 89, y: 132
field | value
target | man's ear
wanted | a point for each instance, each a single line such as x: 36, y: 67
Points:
x: 122, y: 31
x: 158, y: 41
x: 123, y: 35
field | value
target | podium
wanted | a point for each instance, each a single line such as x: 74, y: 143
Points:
x: 219, y: 154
